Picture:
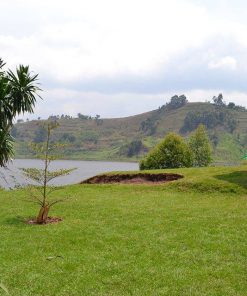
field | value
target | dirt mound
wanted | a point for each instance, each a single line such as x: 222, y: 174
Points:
x: 138, y: 178
x: 49, y: 220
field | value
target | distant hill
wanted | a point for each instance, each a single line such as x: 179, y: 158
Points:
x: 129, y: 138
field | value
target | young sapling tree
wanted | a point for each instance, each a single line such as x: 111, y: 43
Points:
x: 41, y: 190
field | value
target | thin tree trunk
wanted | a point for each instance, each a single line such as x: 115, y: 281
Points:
x: 43, y: 214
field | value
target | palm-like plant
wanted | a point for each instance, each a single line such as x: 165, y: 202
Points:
x: 18, y: 93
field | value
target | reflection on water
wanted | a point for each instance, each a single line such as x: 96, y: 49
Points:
x: 12, y: 176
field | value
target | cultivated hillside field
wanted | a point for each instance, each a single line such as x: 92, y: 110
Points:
x: 115, y: 139
x: 186, y: 237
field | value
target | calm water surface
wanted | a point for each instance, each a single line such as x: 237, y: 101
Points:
x: 12, y: 176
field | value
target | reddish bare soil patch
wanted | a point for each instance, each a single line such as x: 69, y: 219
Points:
x: 138, y: 178
x: 49, y: 220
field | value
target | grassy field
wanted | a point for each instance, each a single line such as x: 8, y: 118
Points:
x: 188, y: 237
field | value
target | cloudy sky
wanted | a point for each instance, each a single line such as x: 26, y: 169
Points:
x: 122, y: 57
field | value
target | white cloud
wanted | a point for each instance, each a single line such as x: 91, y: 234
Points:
x: 224, y: 62
x: 104, y: 43
x: 108, y: 37
x: 119, y: 105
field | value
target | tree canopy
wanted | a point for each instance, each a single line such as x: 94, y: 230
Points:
x: 18, y: 94
x: 177, y: 102
x: 172, y: 152
x: 199, y: 144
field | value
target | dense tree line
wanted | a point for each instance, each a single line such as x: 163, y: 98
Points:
x: 209, y: 119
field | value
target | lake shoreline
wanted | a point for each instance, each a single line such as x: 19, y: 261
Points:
x: 87, y: 159
x: 12, y: 177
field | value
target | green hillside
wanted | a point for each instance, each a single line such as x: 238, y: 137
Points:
x: 129, y: 138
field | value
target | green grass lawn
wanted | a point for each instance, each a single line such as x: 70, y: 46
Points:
x: 188, y: 237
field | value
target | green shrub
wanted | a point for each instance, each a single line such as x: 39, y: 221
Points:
x: 133, y: 148
x: 172, y: 152
x: 200, y: 147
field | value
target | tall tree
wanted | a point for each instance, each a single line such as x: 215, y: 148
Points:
x: 200, y: 146
x: 18, y: 93
x: 218, y: 101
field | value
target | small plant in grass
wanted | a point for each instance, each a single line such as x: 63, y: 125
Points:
x: 40, y: 192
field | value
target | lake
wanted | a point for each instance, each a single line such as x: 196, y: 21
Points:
x: 12, y: 176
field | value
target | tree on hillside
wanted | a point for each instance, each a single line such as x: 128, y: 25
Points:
x: 200, y: 146
x: 231, y: 105
x: 132, y: 149
x: 40, y: 134
x: 211, y: 119
x: 218, y: 101
x: 67, y: 137
x: 149, y: 125
x: 82, y: 116
x: 17, y: 95
x: 98, y: 120
x: 177, y: 102
x: 172, y: 152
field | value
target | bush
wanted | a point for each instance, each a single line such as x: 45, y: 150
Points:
x: 131, y: 149
x: 149, y: 126
x: 66, y: 137
x: 172, y: 152
x: 200, y: 147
